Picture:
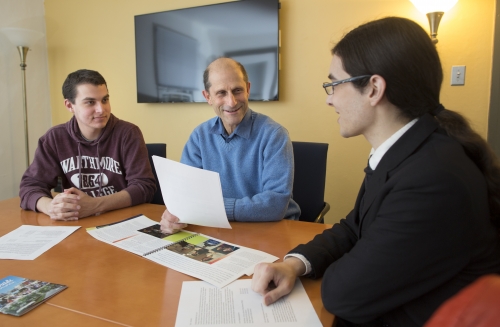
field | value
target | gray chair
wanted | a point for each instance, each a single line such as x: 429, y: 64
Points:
x: 160, y: 150
x: 309, y: 180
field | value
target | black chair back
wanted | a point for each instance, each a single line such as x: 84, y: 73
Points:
x: 309, y: 179
x: 160, y: 150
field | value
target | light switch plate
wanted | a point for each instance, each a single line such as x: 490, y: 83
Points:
x: 458, y: 75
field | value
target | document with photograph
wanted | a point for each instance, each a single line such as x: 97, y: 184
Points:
x: 202, y: 304
x: 19, y: 295
x: 198, y: 255
x: 137, y: 234
x: 28, y: 242
x: 192, y: 194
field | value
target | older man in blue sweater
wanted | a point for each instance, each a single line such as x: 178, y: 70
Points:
x: 251, y: 152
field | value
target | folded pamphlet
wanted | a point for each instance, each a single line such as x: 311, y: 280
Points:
x: 19, y: 295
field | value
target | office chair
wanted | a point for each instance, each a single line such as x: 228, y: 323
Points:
x: 309, y: 180
x: 160, y: 150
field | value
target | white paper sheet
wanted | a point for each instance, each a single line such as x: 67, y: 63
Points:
x: 220, y: 273
x: 28, y: 242
x: 192, y: 194
x: 126, y: 235
x: 202, y: 304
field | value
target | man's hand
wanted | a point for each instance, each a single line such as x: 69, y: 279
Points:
x: 62, y: 207
x: 73, y: 204
x: 89, y: 206
x: 282, y: 274
x: 169, y: 223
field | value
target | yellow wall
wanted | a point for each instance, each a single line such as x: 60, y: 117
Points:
x: 99, y: 35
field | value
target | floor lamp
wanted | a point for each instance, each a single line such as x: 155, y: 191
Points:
x: 23, y: 39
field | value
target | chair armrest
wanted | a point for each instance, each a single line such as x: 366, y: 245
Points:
x: 321, y: 217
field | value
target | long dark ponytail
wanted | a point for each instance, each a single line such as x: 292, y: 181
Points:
x: 480, y: 152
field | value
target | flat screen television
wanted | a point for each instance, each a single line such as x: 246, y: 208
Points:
x: 174, y: 47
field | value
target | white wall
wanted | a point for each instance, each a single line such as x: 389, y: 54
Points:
x: 25, y: 14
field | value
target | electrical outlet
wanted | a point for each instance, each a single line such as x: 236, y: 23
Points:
x: 458, y: 75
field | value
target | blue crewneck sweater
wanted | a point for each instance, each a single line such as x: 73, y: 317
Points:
x: 255, y: 164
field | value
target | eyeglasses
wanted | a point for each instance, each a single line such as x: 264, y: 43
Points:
x: 329, y: 86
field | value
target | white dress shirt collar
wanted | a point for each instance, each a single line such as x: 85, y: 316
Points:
x: 376, y: 155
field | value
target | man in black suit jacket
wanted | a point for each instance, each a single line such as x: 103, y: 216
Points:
x: 421, y: 227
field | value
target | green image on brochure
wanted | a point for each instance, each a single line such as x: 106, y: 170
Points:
x: 19, y: 295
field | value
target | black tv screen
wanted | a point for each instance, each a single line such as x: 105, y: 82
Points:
x: 173, y: 48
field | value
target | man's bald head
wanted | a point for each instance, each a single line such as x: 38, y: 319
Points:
x: 222, y: 64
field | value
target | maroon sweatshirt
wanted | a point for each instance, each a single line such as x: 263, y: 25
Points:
x: 117, y: 160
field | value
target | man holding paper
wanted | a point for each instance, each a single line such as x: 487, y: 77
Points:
x: 251, y: 152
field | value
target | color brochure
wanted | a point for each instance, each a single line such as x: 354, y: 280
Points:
x: 214, y: 261
x: 19, y: 295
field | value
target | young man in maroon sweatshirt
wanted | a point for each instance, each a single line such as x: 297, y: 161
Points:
x: 103, y: 161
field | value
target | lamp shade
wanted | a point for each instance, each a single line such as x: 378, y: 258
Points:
x: 22, y: 36
x: 427, y: 6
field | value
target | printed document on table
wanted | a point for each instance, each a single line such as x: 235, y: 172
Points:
x: 137, y: 234
x: 28, y: 242
x: 202, y: 304
x: 206, y: 258
x: 192, y: 194
x: 212, y: 260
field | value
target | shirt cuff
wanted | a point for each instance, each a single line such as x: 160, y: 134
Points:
x: 303, y: 259
x: 229, y: 206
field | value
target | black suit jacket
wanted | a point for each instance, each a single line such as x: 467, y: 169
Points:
x: 422, y: 233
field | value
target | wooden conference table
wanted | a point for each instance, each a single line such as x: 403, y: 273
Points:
x: 108, y: 286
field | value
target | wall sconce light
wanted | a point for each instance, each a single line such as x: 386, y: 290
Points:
x: 434, y: 9
x: 23, y: 39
